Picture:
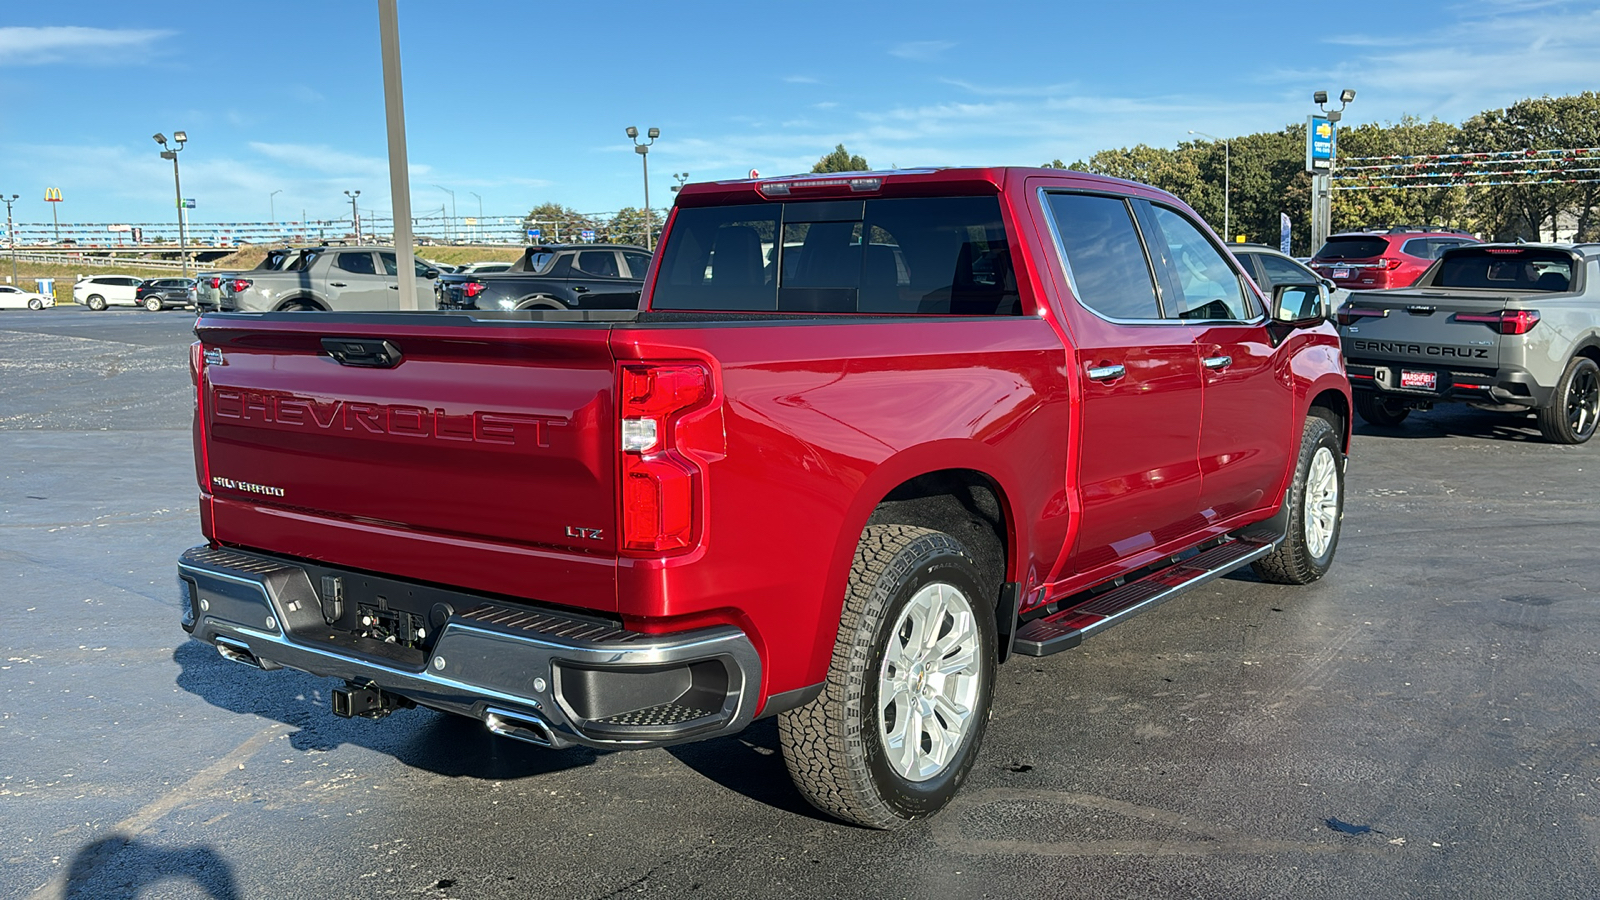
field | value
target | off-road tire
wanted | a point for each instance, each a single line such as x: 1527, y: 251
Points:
x: 1570, y: 417
x: 97, y: 303
x: 1378, y: 410
x: 1294, y: 561
x: 833, y: 746
x: 153, y: 304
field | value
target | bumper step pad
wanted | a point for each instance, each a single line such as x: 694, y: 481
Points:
x: 1067, y: 628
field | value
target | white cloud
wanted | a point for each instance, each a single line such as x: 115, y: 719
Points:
x: 920, y: 51
x: 27, y: 46
x: 801, y: 79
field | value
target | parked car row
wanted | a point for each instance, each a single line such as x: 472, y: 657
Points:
x: 100, y: 291
x: 13, y: 297
x: 552, y: 276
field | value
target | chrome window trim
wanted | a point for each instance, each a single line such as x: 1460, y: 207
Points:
x: 1066, y: 264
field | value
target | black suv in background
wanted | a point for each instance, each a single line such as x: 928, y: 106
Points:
x: 161, y: 293
x: 553, y: 276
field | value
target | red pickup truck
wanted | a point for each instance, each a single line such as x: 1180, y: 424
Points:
x: 866, y: 437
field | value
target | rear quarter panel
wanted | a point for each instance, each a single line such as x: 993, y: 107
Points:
x: 821, y: 421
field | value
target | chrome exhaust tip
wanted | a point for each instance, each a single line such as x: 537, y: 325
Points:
x: 239, y: 652
x: 519, y: 726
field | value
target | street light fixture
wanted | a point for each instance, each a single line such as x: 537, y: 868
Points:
x: 11, y: 233
x: 179, y: 138
x: 272, y: 205
x: 355, y: 216
x: 1227, y: 177
x: 1320, y: 98
x: 448, y: 227
x: 681, y: 177
x: 644, y: 157
x: 1322, y: 180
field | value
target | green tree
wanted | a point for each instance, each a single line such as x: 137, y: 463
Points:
x: 628, y: 226
x: 840, y: 160
x: 558, y: 223
x: 1542, y: 123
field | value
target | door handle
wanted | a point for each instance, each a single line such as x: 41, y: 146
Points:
x: 337, y: 284
x: 394, y: 287
x: 1218, y: 362
x: 1106, y: 373
x: 580, y: 289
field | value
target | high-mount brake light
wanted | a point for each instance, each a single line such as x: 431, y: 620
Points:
x: 1506, y: 321
x: 473, y: 288
x: 862, y: 185
x: 239, y: 285
x: 659, y: 479
x: 1502, y: 251
x: 1350, y: 315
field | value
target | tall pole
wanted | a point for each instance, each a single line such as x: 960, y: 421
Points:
x: 355, y: 215
x: 179, y: 138
x: 272, y: 205
x: 479, y: 229
x: 399, y: 173
x: 644, y: 155
x: 11, y: 233
x: 448, y: 227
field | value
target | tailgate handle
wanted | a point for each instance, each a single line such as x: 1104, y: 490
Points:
x: 370, y: 353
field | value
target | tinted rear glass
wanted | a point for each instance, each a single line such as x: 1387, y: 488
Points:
x: 1354, y: 247
x: 937, y: 256
x: 1514, y: 270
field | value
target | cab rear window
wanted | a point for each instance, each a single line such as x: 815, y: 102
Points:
x: 1506, y: 269
x: 933, y: 256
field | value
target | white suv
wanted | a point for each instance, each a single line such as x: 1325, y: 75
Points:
x: 101, y: 291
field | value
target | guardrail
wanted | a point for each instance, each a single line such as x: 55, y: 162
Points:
x: 80, y: 258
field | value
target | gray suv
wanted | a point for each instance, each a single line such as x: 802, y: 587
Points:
x: 328, y: 278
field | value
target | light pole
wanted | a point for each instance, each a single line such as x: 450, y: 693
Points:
x: 1322, y: 184
x: 355, y: 216
x: 273, y: 206
x: 180, y: 138
x: 478, y: 236
x: 447, y: 225
x: 1227, y: 166
x: 681, y: 178
x: 11, y: 233
x: 644, y: 156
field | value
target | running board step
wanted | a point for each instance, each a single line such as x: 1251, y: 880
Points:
x: 1066, y: 629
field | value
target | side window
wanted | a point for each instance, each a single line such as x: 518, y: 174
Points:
x: 638, y: 264
x: 1249, y: 262
x: 1206, y: 286
x: 1283, y: 271
x: 1105, y: 260
x: 391, y: 265
x: 356, y: 263
x: 597, y: 263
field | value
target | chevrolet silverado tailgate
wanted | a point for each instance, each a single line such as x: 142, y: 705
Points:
x: 428, y: 446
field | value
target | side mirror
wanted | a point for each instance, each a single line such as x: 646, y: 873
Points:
x: 431, y: 274
x: 1328, y: 283
x: 1300, y: 304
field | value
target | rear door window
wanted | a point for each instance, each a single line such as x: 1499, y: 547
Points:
x: 356, y: 263
x: 596, y: 264
x: 638, y: 264
x: 936, y: 256
x: 1105, y: 259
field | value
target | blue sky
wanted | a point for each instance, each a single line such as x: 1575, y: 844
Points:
x: 522, y: 103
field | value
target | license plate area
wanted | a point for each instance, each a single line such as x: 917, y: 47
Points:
x: 1419, y: 381
x: 1340, y: 273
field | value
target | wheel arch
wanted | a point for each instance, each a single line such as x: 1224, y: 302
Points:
x: 944, y: 485
x: 1334, y: 406
x: 301, y: 298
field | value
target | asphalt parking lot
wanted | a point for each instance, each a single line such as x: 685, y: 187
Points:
x: 1421, y: 723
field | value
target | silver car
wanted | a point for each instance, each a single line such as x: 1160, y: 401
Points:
x: 328, y: 278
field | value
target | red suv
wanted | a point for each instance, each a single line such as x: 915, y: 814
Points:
x: 1387, y: 258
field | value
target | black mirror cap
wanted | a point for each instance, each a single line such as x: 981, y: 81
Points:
x: 431, y: 274
x: 1300, y: 304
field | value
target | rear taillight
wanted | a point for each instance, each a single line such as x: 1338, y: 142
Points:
x: 659, y: 477
x: 1506, y: 321
x: 216, y: 282
x: 197, y: 373
x: 239, y: 285
x: 1388, y: 263
x: 1349, y: 315
x: 473, y: 288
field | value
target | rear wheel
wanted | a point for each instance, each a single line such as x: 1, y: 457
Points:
x: 1316, y: 510
x: 97, y: 302
x: 540, y: 302
x: 298, y: 306
x: 1570, y: 418
x: 899, y: 722
x: 1379, y: 410
x: 153, y: 304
